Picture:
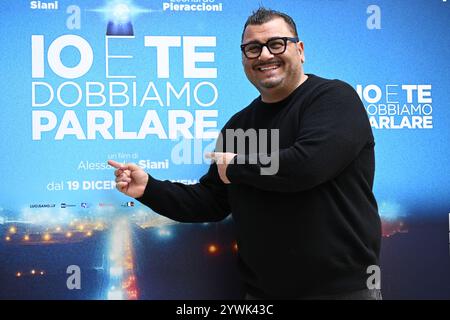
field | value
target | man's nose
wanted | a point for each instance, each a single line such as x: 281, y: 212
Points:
x: 265, y: 54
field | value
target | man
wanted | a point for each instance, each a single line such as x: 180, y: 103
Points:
x: 312, y: 229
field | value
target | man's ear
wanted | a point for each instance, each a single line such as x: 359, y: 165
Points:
x: 301, y: 50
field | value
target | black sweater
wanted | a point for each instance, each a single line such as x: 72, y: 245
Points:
x: 313, y: 227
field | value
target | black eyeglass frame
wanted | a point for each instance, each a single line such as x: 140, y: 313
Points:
x: 262, y: 45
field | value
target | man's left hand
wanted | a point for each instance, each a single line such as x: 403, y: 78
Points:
x: 222, y: 160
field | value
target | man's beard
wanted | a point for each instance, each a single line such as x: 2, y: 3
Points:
x: 270, y: 83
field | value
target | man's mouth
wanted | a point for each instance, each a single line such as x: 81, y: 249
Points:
x: 268, y: 67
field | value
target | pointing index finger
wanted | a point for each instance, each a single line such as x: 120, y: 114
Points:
x: 116, y: 164
x: 210, y: 155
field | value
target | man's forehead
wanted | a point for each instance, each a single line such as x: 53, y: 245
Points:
x: 274, y: 27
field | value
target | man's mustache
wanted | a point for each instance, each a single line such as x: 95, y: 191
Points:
x: 266, y: 63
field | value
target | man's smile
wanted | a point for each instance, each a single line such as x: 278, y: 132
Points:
x: 267, y: 67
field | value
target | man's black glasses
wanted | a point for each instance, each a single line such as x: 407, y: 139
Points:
x: 275, y: 46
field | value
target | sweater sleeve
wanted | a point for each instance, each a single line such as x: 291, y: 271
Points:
x: 205, y: 201
x: 332, y: 132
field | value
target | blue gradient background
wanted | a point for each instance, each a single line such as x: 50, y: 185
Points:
x: 411, y: 48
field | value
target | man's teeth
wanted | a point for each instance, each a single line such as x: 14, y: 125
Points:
x: 268, y: 68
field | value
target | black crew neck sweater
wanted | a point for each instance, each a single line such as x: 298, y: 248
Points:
x: 310, y: 229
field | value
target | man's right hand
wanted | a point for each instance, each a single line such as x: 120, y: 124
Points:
x: 130, y: 179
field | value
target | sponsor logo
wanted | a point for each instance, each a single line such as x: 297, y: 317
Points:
x: 85, y: 205
x: 66, y: 205
x: 105, y: 205
x: 42, y: 205
x: 128, y: 204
